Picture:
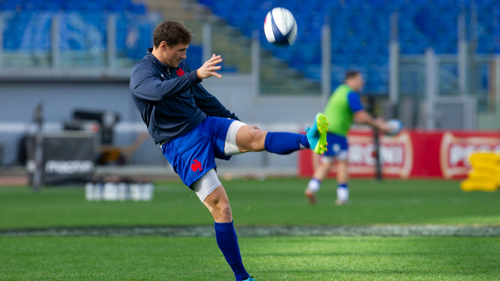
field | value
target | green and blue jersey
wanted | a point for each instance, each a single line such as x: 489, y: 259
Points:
x: 340, y: 109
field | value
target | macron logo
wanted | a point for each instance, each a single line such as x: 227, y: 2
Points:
x: 196, y: 165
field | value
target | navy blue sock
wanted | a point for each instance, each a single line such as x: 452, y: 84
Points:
x: 285, y: 143
x: 228, y: 244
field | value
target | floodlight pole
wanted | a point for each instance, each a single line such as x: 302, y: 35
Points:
x: 1, y: 38
x: 326, y: 59
x: 207, y: 42
x: 462, y: 55
x: 54, y: 31
x: 376, y: 139
x: 111, y: 41
x: 394, y: 64
x: 38, y: 121
x: 496, y: 61
x: 473, y: 47
x: 497, y: 83
x: 431, y: 87
x: 256, y: 63
x: 378, y: 162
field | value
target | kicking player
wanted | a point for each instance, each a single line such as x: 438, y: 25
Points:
x: 193, y: 128
x: 343, y: 107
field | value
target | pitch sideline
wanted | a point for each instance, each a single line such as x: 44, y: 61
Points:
x: 262, y: 231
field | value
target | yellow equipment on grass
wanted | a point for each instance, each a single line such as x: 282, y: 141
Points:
x: 485, y: 173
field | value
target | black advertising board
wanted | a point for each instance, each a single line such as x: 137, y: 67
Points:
x: 68, y: 157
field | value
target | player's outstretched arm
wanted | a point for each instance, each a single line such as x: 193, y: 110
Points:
x: 363, y: 117
x: 209, y: 67
x: 146, y: 86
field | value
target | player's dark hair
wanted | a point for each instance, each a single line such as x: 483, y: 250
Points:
x: 172, y: 32
x: 351, y: 74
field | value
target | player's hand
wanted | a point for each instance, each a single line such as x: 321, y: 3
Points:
x: 209, y: 67
x: 381, y: 125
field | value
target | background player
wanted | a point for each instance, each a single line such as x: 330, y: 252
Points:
x: 343, y: 107
x: 193, y: 128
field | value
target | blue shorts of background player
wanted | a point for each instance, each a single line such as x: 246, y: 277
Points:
x: 337, y: 148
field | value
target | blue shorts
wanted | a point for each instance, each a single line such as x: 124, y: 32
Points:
x: 193, y: 153
x: 337, y: 145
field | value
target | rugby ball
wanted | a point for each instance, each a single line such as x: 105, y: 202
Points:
x: 395, y: 126
x: 280, y: 27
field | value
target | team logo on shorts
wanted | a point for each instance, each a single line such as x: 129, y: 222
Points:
x: 196, y: 165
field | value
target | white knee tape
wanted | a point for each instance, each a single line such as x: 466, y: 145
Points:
x: 342, y: 155
x: 206, y: 185
x: 230, y: 146
x: 327, y: 159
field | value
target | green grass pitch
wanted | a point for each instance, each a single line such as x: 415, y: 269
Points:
x: 269, y: 202
x: 271, y: 258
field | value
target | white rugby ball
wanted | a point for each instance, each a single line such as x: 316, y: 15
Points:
x: 395, y: 126
x: 280, y: 27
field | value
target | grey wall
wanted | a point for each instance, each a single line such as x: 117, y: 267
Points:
x: 61, y: 98
x: 18, y: 100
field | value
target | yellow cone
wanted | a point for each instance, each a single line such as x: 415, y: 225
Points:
x: 478, y: 184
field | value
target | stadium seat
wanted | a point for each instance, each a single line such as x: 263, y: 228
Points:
x: 136, y: 8
x: 360, y: 28
x: 194, y: 56
x: 9, y: 5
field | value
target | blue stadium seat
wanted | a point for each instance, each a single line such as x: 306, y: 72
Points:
x: 10, y: 5
x: 116, y: 5
x: 194, y: 56
x: 136, y: 8
x: 75, y: 6
x: 313, y: 72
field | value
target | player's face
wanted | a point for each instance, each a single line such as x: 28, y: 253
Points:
x: 358, y: 82
x: 174, y: 55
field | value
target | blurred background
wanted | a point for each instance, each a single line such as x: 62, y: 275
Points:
x: 433, y: 64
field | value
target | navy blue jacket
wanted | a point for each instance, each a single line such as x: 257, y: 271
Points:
x: 171, y: 100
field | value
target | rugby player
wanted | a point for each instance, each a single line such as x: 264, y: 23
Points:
x: 193, y: 128
x: 343, y: 108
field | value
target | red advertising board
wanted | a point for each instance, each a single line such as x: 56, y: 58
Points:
x: 411, y: 154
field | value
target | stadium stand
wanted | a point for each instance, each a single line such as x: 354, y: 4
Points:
x: 360, y: 36
x: 75, y: 6
x: 82, y: 29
